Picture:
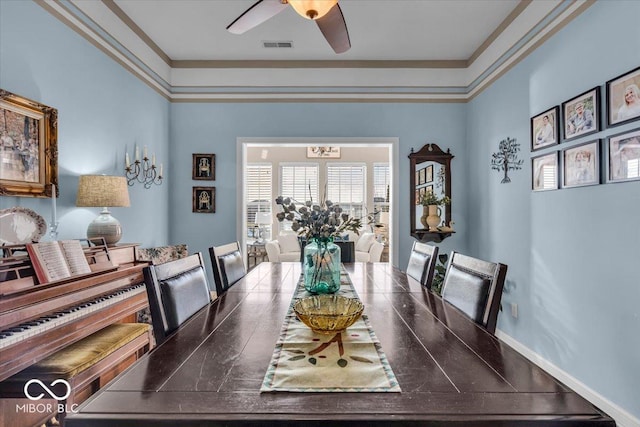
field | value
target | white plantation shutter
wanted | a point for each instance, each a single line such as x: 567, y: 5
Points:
x: 300, y: 183
x: 296, y: 180
x: 381, y: 187
x: 346, y: 187
x: 549, y: 179
x: 258, y: 192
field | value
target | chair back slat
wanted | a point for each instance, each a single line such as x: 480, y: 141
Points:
x: 228, y: 265
x: 474, y: 286
x: 176, y: 291
x: 422, y: 263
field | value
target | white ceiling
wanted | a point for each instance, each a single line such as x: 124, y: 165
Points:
x: 378, y: 29
x: 401, y: 50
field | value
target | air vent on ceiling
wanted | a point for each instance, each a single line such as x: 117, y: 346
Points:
x: 283, y: 44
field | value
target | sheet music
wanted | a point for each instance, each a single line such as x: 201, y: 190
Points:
x: 75, y: 257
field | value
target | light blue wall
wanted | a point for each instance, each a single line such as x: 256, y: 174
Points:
x: 573, y: 253
x: 102, y: 110
x: 214, y: 128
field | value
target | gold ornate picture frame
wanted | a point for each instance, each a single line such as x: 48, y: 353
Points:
x: 28, y: 147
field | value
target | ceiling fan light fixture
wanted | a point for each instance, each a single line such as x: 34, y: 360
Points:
x: 312, y: 9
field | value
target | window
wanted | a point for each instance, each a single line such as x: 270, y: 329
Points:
x: 258, y: 194
x: 346, y: 187
x: 633, y: 168
x: 549, y: 176
x: 380, y: 188
x: 300, y: 183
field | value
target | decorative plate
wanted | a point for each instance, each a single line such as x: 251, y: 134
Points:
x: 20, y: 225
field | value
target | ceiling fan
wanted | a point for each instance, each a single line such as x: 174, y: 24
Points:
x: 326, y: 13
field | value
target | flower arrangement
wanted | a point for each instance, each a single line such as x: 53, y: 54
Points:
x: 317, y: 220
x: 430, y: 199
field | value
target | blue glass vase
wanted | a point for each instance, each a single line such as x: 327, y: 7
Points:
x: 321, y: 266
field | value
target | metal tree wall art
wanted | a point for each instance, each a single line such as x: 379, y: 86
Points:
x: 506, y: 158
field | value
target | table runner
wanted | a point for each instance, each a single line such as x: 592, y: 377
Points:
x: 350, y: 361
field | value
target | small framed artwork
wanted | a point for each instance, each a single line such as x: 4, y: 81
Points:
x: 204, y: 199
x: 417, y: 197
x: 422, y: 176
x: 544, y: 172
x: 323, y: 152
x: 28, y: 147
x: 417, y: 178
x: 581, y: 114
x: 623, y: 157
x: 204, y: 167
x: 428, y: 189
x: 623, y: 98
x: 429, y: 173
x: 423, y: 191
x: 544, y: 129
x: 581, y: 165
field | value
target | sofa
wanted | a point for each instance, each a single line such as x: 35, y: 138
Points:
x: 367, y: 248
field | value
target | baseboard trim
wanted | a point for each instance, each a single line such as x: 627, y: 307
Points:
x: 622, y: 417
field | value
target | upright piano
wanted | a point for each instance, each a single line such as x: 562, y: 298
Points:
x: 38, y: 319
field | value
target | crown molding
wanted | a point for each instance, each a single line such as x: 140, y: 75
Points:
x: 108, y: 28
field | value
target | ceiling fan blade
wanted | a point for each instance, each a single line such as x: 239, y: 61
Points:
x: 256, y: 15
x: 334, y: 29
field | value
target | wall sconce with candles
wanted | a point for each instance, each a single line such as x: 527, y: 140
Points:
x: 143, y: 171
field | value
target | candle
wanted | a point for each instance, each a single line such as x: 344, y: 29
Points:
x: 144, y: 152
x: 126, y: 160
x: 153, y: 160
x: 54, y: 220
x: 137, y: 153
x: 160, y: 169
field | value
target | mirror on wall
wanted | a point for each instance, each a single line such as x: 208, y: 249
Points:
x: 430, y: 184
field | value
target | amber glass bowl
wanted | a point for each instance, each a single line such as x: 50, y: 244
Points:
x: 328, y: 314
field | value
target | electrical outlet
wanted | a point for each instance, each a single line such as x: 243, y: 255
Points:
x: 514, y: 310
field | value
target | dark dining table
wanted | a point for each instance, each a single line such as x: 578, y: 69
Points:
x: 451, y: 371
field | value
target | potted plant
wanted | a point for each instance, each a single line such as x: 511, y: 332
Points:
x: 431, y: 211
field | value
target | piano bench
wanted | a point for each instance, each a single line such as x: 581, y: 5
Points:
x: 87, y: 364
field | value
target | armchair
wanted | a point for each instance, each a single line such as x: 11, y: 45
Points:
x: 283, y: 249
x: 368, y: 249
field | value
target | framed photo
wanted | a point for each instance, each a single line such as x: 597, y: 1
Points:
x: 581, y: 165
x: 204, y: 199
x: 580, y: 115
x: 429, y: 173
x: 417, y: 195
x: 544, y: 129
x: 428, y: 189
x: 323, y: 152
x: 422, y: 191
x: 204, y: 167
x: 623, y: 98
x: 544, y: 172
x: 28, y: 147
x: 623, y: 153
x: 422, y: 176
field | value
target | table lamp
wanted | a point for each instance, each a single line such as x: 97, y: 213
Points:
x: 103, y: 191
x: 262, y: 219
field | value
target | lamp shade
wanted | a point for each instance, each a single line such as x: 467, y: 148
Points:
x: 102, y: 191
x: 312, y: 9
x: 384, y: 218
x: 105, y: 191
x: 263, y: 218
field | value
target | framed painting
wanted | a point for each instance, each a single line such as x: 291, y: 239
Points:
x: 323, y: 152
x: 623, y: 98
x: 581, y: 165
x: 204, y: 167
x: 204, y: 199
x: 417, y: 196
x: 429, y: 174
x: 544, y: 129
x: 580, y: 115
x: 544, y: 172
x: 623, y: 157
x: 422, y: 176
x: 28, y: 147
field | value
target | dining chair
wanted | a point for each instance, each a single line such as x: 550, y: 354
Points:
x: 474, y: 287
x: 228, y: 265
x: 422, y: 263
x: 176, y: 291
